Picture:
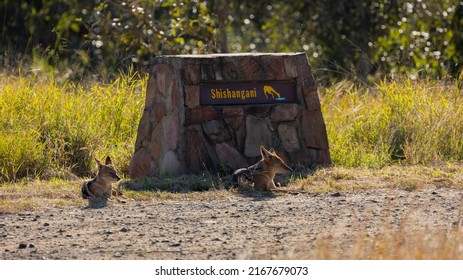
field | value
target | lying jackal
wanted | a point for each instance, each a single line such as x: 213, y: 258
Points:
x: 100, y: 187
x: 262, y: 173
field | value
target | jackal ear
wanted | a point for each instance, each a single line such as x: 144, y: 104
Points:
x: 98, y: 161
x: 108, y: 161
x: 263, y: 152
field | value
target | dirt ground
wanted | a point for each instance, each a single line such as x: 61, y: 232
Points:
x: 232, y: 226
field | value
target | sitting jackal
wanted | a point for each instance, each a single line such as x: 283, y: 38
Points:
x: 262, y: 173
x: 100, y: 187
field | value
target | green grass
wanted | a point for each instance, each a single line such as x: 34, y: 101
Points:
x: 47, y: 126
x: 411, y: 122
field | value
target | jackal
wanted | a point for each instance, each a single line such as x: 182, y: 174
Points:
x: 100, y: 187
x: 262, y: 173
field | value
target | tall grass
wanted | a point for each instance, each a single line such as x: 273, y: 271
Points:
x: 45, y: 126
x: 411, y: 122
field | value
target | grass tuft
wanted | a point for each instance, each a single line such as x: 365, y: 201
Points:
x: 46, y: 126
x: 411, y: 122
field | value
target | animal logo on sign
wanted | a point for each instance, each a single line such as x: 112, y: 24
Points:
x: 268, y: 90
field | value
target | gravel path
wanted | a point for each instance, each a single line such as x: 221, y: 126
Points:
x: 235, y: 226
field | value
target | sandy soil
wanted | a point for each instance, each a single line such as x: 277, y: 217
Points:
x: 233, y: 226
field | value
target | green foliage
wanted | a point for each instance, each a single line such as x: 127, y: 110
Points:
x: 421, y: 42
x: 45, y: 126
x: 397, y: 121
x: 355, y: 38
x: 344, y: 38
x: 102, y: 36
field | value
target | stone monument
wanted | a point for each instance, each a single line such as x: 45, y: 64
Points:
x: 211, y: 113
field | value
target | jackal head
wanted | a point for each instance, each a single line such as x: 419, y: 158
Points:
x: 273, y: 161
x: 106, y: 171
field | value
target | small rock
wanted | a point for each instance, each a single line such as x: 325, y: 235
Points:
x: 124, y: 229
x: 22, y: 245
x: 46, y: 224
x: 336, y: 194
x: 107, y: 232
x: 175, y: 245
x: 31, y: 245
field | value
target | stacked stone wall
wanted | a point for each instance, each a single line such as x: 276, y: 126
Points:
x: 177, y: 135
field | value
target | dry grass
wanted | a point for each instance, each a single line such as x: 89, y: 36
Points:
x: 357, y: 179
x: 406, y: 240
x: 389, y: 245
x: 31, y: 195
x: 393, y: 245
x: 34, y: 194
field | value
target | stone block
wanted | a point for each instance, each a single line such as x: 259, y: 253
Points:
x: 229, y: 69
x: 216, y: 131
x: 257, y: 134
x: 275, y: 69
x: 240, y: 137
x: 311, y: 98
x: 172, y: 130
x: 150, y: 91
x: 140, y: 164
x: 284, y: 112
x: 192, y: 96
x: 144, y: 130
x: 170, y: 164
x: 250, y: 68
x: 192, y: 73
x: 233, y: 116
x: 289, y: 138
x: 159, y: 112
x: 156, y: 151
x: 324, y: 158
x: 314, y: 130
x: 258, y: 110
x: 207, y: 72
x: 229, y: 157
x: 290, y: 68
x: 196, y: 154
x: 163, y: 79
x: 175, y: 98
x: 305, y: 72
x: 200, y: 115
